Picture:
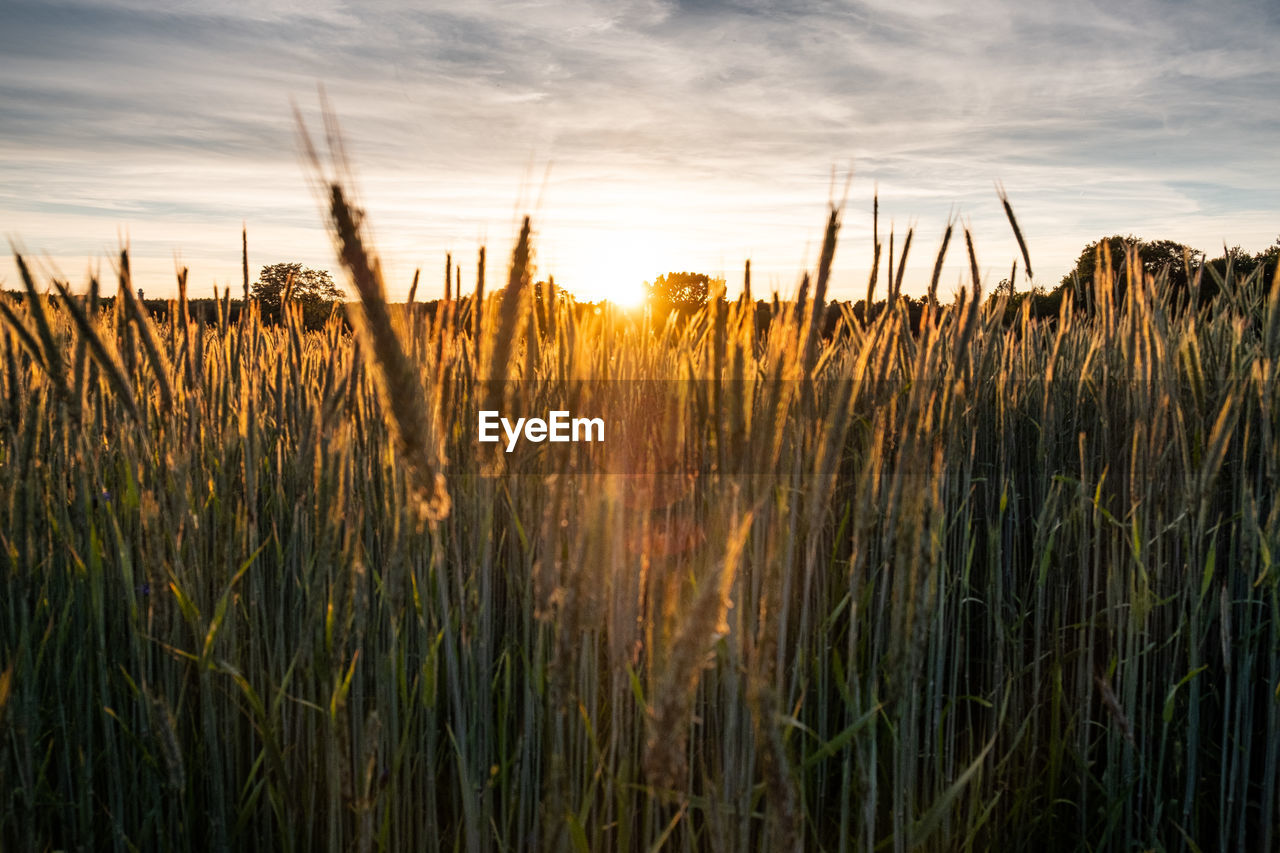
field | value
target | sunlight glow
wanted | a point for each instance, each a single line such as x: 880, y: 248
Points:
x: 613, y: 265
x: 628, y: 294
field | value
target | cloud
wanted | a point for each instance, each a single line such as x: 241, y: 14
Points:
x: 704, y: 131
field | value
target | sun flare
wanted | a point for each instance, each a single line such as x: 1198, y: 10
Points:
x: 614, y: 266
x: 627, y: 293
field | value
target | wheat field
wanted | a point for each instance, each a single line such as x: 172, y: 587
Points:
x: 984, y: 584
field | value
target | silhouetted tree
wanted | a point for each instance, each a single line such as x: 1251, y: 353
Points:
x: 1181, y: 263
x: 680, y: 291
x: 313, y: 289
x: 1042, y: 305
x: 1155, y: 256
x: 1242, y: 264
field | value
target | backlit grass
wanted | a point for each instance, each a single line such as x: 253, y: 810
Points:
x: 983, y: 586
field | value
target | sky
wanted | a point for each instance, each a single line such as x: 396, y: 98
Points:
x: 641, y: 136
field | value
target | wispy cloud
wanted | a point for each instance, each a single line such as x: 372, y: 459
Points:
x: 680, y: 135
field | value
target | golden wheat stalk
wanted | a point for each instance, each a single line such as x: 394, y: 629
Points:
x: 53, y: 363
x: 937, y: 264
x: 412, y: 419
x: 98, y: 349
x: 138, y: 314
x: 706, y: 622
x: 402, y: 393
x: 1017, y: 232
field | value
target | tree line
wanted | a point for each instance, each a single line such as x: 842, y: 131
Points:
x: 318, y: 296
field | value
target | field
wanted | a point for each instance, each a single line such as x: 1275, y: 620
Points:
x: 995, y: 583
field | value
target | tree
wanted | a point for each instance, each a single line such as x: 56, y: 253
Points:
x: 1243, y: 264
x: 680, y: 291
x: 313, y: 289
x: 1156, y: 257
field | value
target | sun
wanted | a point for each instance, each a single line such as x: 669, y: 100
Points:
x: 627, y: 293
x: 612, y: 262
x: 614, y: 267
